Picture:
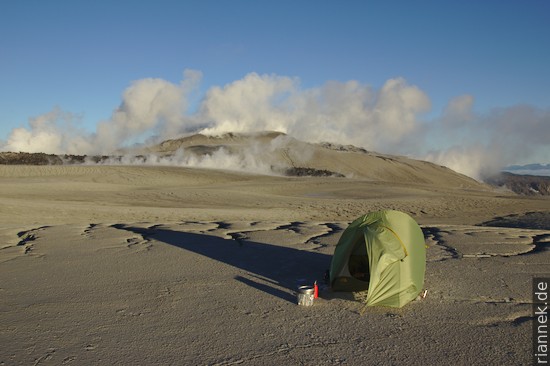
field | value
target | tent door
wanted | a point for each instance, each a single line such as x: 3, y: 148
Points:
x: 359, y: 267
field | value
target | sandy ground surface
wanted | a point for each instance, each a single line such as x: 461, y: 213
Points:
x: 176, y: 266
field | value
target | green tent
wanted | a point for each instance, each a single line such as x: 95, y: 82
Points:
x: 383, y: 252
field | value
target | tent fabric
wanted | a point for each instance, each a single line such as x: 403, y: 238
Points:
x: 383, y: 252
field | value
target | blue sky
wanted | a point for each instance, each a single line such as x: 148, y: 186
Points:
x: 80, y: 56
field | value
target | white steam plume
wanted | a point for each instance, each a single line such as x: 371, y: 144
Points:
x: 337, y: 112
x: 149, y: 106
x: 483, y: 144
x: 388, y: 120
x: 259, y: 158
x: 55, y: 132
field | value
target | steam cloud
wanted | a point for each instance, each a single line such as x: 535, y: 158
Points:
x: 388, y: 120
x: 256, y: 158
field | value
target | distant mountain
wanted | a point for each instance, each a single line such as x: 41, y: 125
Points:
x: 529, y: 169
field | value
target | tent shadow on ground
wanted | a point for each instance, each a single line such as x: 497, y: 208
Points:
x: 275, y: 270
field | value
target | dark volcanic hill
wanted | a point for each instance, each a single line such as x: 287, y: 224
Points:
x: 23, y: 158
x: 531, y: 185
